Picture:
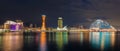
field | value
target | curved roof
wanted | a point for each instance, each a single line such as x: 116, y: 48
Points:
x: 10, y: 22
x: 100, y: 24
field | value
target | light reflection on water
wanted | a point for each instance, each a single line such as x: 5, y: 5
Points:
x: 43, y: 41
x: 58, y: 41
x: 102, y: 40
x: 12, y: 42
x: 61, y: 39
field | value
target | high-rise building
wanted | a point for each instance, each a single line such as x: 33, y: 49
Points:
x: 43, y: 22
x: 60, y: 22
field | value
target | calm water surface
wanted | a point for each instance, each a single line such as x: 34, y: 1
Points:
x: 60, y: 41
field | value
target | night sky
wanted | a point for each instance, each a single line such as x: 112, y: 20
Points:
x: 73, y: 11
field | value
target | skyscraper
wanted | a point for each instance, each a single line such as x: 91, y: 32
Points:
x: 43, y: 22
x: 60, y: 22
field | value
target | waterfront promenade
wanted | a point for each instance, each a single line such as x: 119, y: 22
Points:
x: 75, y: 30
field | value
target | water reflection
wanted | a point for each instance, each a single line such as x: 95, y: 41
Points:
x: 76, y: 37
x: 81, y: 37
x: 61, y: 39
x: 28, y: 40
x: 113, y: 39
x: 31, y: 41
x: 43, y: 41
x: 1, y: 42
x: 12, y: 41
x: 58, y: 41
x: 102, y: 40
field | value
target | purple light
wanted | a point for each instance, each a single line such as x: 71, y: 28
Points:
x: 13, y: 27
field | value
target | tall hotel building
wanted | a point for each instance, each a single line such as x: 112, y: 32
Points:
x: 60, y: 22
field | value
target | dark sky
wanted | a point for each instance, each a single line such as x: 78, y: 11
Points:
x: 72, y: 11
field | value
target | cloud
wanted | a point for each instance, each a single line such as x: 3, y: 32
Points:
x: 97, y: 9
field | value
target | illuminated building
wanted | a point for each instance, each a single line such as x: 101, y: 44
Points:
x: 13, y: 26
x: 100, y: 24
x: 7, y: 24
x: 43, y: 22
x: 60, y: 24
x: 20, y: 25
x: 31, y: 25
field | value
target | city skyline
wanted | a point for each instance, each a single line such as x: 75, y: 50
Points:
x: 59, y: 23
x: 73, y: 12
